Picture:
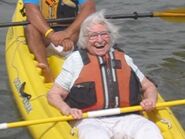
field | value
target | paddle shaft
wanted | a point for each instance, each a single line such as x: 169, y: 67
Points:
x: 23, y: 23
x: 135, y: 15
x: 98, y: 113
x: 177, y: 15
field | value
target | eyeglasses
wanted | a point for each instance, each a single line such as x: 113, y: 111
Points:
x: 95, y: 35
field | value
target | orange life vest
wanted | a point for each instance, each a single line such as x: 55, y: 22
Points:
x: 104, y: 83
x: 52, y: 9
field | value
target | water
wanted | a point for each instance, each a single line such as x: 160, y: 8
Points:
x: 157, y: 46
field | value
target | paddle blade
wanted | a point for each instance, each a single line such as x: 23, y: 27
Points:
x: 172, y: 15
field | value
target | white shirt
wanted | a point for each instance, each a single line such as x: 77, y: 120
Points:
x: 73, y: 66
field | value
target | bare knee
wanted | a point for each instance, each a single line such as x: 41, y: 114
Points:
x: 31, y: 31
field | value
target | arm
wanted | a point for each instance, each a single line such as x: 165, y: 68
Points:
x: 148, y: 88
x: 56, y: 97
x: 70, y: 35
x: 149, y: 95
x: 85, y: 10
x: 36, y: 18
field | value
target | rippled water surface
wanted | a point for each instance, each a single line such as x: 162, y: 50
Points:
x: 157, y: 47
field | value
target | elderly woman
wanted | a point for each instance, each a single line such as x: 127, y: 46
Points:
x: 100, y: 76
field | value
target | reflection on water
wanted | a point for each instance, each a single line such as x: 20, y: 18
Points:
x: 175, y: 72
x: 173, y: 69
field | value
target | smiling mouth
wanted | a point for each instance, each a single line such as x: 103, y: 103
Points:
x: 100, y: 47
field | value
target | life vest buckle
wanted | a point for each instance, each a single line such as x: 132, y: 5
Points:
x: 51, y: 3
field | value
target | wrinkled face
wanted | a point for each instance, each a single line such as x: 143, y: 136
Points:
x: 98, y: 40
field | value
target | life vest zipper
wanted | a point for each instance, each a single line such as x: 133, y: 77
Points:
x: 109, y: 81
x: 104, y: 77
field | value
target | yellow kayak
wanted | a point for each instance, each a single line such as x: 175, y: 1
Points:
x: 29, y: 90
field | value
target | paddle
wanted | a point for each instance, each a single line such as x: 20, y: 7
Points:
x: 98, y: 113
x: 172, y: 15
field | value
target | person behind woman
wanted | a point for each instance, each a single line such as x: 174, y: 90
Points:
x: 40, y: 34
x: 101, y: 76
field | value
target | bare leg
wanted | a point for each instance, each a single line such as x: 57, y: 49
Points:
x: 37, y: 46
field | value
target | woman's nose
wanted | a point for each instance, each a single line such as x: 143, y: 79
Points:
x: 99, y: 38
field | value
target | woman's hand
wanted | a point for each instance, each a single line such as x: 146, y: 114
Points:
x: 76, y: 113
x: 148, y: 104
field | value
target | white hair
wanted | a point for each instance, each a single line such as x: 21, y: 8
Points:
x: 96, y: 18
